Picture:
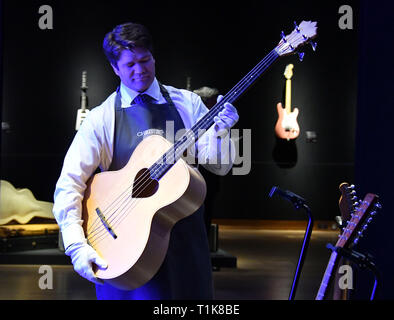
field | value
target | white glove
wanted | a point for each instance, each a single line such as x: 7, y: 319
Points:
x: 226, y: 119
x: 82, y: 256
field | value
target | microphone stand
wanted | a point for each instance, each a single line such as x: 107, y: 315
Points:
x: 298, y: 203
x: 362, y: 261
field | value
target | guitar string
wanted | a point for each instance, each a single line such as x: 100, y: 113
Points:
x: 224, y: 100
x: 244, y: 82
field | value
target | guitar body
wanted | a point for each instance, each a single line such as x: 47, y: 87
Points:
x: 141, y: 223
x: 286, y: 126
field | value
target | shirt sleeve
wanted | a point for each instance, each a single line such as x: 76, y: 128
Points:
x: 216, y: 154
x: 85, y: 154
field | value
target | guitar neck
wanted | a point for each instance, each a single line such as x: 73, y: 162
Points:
x: 288, y: 96
x: 84, y: 88
x: 193, y: 134
x: 83, y: 101
x: 328, y: 275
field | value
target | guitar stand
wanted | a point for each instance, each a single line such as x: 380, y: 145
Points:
x: 298, y: 203
x: 363, y: 261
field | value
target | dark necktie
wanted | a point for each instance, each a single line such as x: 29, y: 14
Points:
x: 142, y: 100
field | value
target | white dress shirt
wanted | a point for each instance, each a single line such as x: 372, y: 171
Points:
x: 92, y: 147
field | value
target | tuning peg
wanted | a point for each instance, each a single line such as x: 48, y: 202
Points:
x: 351, y: 224
x: 296, y: 26
x: 373, y: 213
x: 356, y: 240
x: 378, y: 205
x: 282, y: 34
x: 314, y: 45
x: 301, y: 55
x: 343, y: 237
x: 355, y: 216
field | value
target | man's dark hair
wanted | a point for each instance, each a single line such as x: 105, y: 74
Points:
x: 126, y: 36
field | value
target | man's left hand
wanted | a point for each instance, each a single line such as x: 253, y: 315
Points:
x: 226, y: 119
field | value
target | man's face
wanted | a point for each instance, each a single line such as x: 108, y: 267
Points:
x: 136, y: 69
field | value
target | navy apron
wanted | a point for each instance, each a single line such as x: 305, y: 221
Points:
x: 186, y: 272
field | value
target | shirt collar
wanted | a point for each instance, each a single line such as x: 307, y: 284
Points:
x: 128, y: 94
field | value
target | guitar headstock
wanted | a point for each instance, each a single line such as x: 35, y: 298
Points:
x: 347, y: 201
x: 360, y: 218
x: 301, y: 34
x: 289, y: 71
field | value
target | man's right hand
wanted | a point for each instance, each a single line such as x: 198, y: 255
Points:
x: 82, y: 256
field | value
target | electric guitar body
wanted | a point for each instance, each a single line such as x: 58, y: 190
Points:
x: 139, y: 223
x: 287, y: 126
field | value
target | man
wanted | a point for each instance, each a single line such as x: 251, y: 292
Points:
x: 107, y: 138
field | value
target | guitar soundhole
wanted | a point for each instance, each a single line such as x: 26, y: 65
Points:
x: 144, y: 186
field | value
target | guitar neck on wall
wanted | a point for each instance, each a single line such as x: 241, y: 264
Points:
x: 83, y: 111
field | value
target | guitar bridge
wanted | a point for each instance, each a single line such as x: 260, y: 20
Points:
x: 105, y: 223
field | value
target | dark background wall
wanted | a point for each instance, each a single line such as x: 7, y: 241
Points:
x: 215, y: 44
x: 373, y: 165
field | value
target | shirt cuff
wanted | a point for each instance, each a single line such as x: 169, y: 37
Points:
x: 73, y: 233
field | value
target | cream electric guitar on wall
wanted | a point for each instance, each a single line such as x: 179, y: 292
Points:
x: 128, y: 214
x: 287, y: 127
x: 360, y: 217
